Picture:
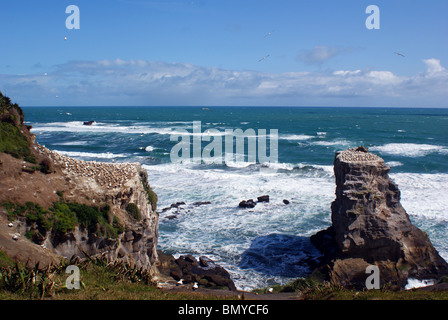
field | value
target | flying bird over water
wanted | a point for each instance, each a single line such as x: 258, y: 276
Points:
x: 399, y: 54
x: 264, y: 58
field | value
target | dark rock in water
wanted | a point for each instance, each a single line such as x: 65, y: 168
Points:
x: 177, y: 204
x: 285, y: 201
x: 264, y: 198
x: 205, y: 272
x: 174, y: 205
x: 370, y: 227
x: 200, y: 203
x: 88, y: 123
x: 247, y: 204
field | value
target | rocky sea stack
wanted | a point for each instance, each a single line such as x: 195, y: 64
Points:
x: 370, y: 227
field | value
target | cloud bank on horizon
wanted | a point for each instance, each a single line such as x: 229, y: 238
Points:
x: 150, y: 83
x: 225, y: 53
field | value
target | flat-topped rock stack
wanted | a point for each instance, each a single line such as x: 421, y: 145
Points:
x: 370, y: 227
x: 360, y: 154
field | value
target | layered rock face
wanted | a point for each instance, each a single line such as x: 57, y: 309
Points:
x: 93, y: 184
x: 117, y: 185
x: 370, y: 227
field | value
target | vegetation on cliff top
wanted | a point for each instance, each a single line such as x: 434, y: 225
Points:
x: 12, y: 140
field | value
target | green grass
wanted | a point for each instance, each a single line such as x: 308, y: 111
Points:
x: 5, y: 261
x: 13, y: 142
x: 313, y: 289
x: 100, y: 280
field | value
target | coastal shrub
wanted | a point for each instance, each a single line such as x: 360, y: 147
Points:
x: 87, y: 216
x: 64, y: 219
x: 13, y: 142
x: 35, y: 213
x: 65, y: 216
x: 134, y: 211
x: 152, y: 196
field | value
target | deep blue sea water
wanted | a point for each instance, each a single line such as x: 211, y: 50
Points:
x: 264, y: 245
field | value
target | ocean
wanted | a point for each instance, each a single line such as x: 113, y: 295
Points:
x: 264, y: 245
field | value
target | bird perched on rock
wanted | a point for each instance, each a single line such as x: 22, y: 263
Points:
x: 10, y: 225
x: 195, y: 286
x: 180, y: 282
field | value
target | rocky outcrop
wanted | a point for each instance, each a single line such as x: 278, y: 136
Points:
x: 188, y: 270
x: 370, y: 227
x: 138, y: 243
x: 32, y: 174
x: 251, y: 203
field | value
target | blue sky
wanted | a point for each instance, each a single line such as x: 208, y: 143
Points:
x: 210, y: 52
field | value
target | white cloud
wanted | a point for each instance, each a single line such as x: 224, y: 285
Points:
x: 141, y: 82
x: 434, y: 66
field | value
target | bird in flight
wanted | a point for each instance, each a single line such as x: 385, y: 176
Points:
x: 399, y: 54
x: 268, y: 34
x: 264, y: 58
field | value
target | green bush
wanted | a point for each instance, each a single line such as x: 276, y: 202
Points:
x: 65, y: 216
x: 13, y: 142
x: 134, y: 211
x: 64, y: 219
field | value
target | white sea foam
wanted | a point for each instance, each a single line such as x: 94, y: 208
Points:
x: 424, y: 194
x: 394, y: 164
x: 409, y: 149
x: 337, y: 142
x: 415, y: 283
x: 104, y: 155
x: 71, y: 143
x: 77, y: 126
x: 149, y: 148
x: 299, y: 137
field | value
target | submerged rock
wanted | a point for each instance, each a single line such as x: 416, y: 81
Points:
x: 370, y: 227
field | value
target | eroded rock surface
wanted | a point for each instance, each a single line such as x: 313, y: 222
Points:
x: 370, y: 227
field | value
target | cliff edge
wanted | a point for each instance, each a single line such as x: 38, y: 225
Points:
x: 370, y: 227
x: 54, y: 207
